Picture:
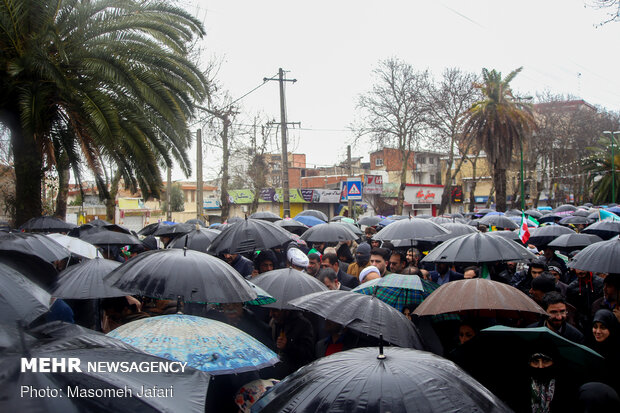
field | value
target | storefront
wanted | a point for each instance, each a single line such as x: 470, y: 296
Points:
x: 424, y: 199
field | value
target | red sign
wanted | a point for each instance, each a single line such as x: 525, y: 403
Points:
x: 373, y: 184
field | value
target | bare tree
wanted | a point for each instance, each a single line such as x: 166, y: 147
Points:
x: 395, y: 112
x: 449, y: 100
x: 611, y: 6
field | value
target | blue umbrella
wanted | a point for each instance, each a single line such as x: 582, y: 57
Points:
x: 386, y: 222
x: 495, y: 213
x: 205, y: 344
x: 615, y: 210
x: 308, y: 220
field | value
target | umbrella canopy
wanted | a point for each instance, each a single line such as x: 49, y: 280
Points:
x: 352, y: 227
x: 581, y: 213
x: 197, y: 239
x: 313, y: 213
x: 411, y: 229
x: 33, y: 244
x: 362, y: 313
x: 550, y: 218
x: 205, y: 344
x: 173, y: 230
x: 248, y: 236
x: 105, y: 237
x: 480, y: 297
x: 367, y: 380
x: 149, y: 229
x: 571, y: 242
x: 397, y: 290
x: 196, y: 221
x: 189, y: 386
x: 292, y: 226
x: 603, y: 257
x: 233, y: 220
x: 46, y: 224
x: 309, y: 220
x: 575, y: 220
x: 263, y: 297
x: 340, y: 218
x: 168, y: 274
x: 509, y: 235
x: 329, y: 232
x: 369, y: 221
x: 565, y: 208
x: 85, y: 281
x: 499, y: 221
x: 75, y: 245
x: 441, y: 220
x: 287, y: 284
x: 542, y: 236
x: 604, y: 229
x: 455, y: 229
x: 478, y: 248
x: 20, y: 299
x: 385, y: 222
x: 266, y: 215
x: 570, y: 351
x: 534, y: 213
x: 513, y: 213
x: 99, y: 222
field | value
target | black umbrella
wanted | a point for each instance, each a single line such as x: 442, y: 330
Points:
x: 196, y: 221
x: 581, y: 213
x: 363, y: 313
x: 34, y: 268
x: 315, y: 213
x: 369, y: 221
x: 571, y: 242
x: 603, y: 257
x: 105, y: 237
x: 99, y: 223
x: 233, y: 220
x: 575, y: 220
x: 266, y: 215
x: 499, y: 221
x: 410, y: 229
x: 478, y: 248
x: 20, y: 299
x: 441, y: 220
x: 46, y: 224
x: 292, y: 225
x: 542, y: 236
x: 173, y: 231
x: 604, y: 229
x: 509, y: 235
x: 547, y: 218
x: 197, y: 240
x: 534, y: 213
x: 369, y: 380
x: 513, y: 213
x: 248, y: 236
x: 565, y: 208
x: 456, y: 229
x: 84, y: 281
x: 595, y: 216
x: 150, y: 229
x: 287, y: 284
x: 34, y: 244
x: 329, y: 232
x: 186, y: 389
x: 168, y: 274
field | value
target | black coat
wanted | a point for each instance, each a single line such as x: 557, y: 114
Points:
x: 300, y: 343
x: 347, y: 279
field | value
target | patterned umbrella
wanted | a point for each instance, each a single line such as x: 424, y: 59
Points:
x: 397, y: 290
x: 205, y: 344
x: 263, y: 297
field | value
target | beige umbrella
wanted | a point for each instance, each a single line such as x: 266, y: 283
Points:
x: 479, y: 297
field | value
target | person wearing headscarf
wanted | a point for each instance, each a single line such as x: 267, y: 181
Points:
x: 605, y: 340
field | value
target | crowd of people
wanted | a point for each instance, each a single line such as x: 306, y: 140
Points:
x: 580, y: 306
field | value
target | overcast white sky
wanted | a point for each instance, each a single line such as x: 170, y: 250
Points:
x: 331, y: 48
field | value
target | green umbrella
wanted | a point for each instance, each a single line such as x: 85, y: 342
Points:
x: 397, y: 290
x: 263, y: 296
x: 524, y: 338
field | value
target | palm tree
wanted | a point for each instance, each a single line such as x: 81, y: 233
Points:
x: 499, y: 123
x: 96, y: 79
x: 598, y: 169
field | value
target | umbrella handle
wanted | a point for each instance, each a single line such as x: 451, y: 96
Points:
x: 381, y: 356
x: 179, y: 304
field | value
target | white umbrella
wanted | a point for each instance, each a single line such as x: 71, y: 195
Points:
x: 75, y: 245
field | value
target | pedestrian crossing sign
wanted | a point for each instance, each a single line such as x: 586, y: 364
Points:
x: 354, y: 189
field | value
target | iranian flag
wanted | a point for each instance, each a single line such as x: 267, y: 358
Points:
x: 524, y: 232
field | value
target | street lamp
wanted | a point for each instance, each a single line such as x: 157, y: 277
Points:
x: 613, y: 166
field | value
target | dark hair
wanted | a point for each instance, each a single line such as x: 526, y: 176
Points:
x: 385, y: 254
x: 314, y: 256
x: 401, y: 255
x: 613, y: 280
x: 370, y: 230
x: 416, y: 252
x: 326, y: 273
x: 551, y: 298
x: 539, y: 263
x: 265, y: 255
x: 545, y: 282
x: 332, y: 258
x: 411, y: 270
x: 345, y: 253
x: 472, y: 268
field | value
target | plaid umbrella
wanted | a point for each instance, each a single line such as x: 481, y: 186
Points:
x: 397, y: 290
x: 263, y: 297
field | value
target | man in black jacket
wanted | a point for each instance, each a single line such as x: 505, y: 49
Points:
x: 294, y: 338
x: 331, y: 261
x: 555, y: 306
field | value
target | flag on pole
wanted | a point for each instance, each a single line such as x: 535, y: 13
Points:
x: 524, y: 232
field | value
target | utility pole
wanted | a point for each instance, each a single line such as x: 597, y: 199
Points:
x: 199, y: 185
x: 350, y: 202
x: 285, y: 183
x: 168, y: 195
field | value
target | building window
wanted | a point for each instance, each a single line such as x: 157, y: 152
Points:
x: 379, y: 162
x: 421, y: 160
x: 431, y: 160
x: 432, y: 179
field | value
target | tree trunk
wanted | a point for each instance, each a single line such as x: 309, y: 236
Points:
x: 499, y: 181
x: 491, y: 192
x: 403, y: 182
x: 447, y: 186
x: 110, y: 203
x: 28, y: 163
x: 63, y: 187
x: 224, y: 184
